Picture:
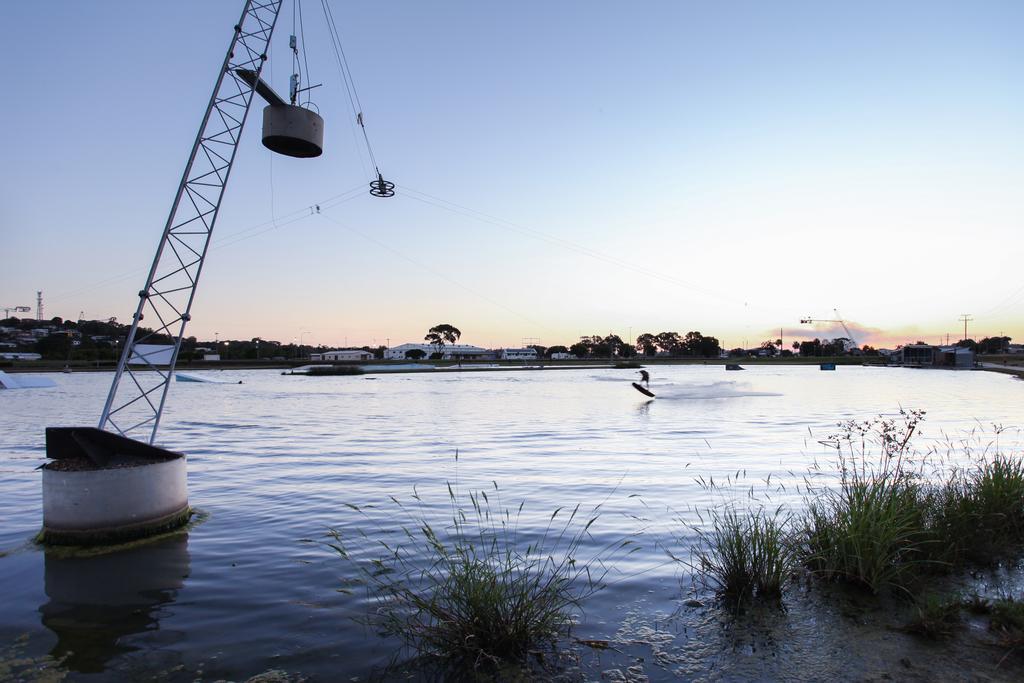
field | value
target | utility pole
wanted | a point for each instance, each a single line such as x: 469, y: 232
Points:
x: 39, y: 305
x: 966, y: 318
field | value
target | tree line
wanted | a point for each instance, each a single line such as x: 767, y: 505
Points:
x: 103, y: 339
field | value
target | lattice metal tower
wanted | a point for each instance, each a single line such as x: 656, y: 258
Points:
x: 144, y: 372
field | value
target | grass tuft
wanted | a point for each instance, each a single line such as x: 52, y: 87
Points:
x: 1006, y: 615
x: 977, y: 514
x: 872, y: 528
x: 747, y: 555
x: 936, y: 616
x: 477, y: 593
x: 869, y: 531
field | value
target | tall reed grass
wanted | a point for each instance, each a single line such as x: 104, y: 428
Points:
x: 475, y: 592
x: 886, y: 517
x: 979, y: 513
x: 747, y: 554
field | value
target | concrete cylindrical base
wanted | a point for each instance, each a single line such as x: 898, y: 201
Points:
x: 95, y: 507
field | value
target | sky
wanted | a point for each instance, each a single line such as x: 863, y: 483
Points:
x: 563, y: 169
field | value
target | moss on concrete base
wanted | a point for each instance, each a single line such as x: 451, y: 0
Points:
x: 114, y: 535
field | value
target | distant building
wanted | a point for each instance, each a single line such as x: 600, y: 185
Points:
x: 559, y: 355
x: 211, y: 356
x: 957, y: 357
x: 926, y: 355
x: 20, y: 356
x: 1015, y: 348
x: 916, y: 354
x: 342, y: 355
x: 519, y: 354
x: 449, y: 351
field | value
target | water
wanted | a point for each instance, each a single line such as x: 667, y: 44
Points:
x: 272, y: 461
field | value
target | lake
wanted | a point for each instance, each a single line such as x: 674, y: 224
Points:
x: 273, y: 461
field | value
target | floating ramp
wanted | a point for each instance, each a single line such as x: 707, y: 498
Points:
x: 24, y: 382
x: 186, y: 377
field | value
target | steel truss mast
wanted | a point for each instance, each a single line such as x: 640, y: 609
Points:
x: 144, y: 372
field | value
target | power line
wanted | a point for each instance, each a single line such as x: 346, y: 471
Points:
x: 346, y: 77
x: 435, y: 272
x: 482, y: 217
x: 235, y: 237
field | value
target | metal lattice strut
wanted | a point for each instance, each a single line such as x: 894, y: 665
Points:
x: 151, y: 352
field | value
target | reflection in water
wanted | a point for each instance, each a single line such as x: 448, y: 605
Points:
x: 644, y: 408
x: 94, y: 602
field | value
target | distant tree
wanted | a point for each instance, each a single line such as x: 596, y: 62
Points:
x: 442, y: 334
x: 551, y: 350
x: 539, y: 349
x: 994, y: 345
x: 796, y: 346
x: 768, y: 346
x: 669, y: 342
x: 415, y: 354
x: 696, y: 344
x: 600, y: 349
x: 810, y: 348
x: 834, y: 347
x: 737, y: 352
x: 968, y: 344
x: 54, y: 346
x: 437, y: 355
x: 580, y: 349
x: 647, y: 344
x: 869, y: 350
x: 786, y: 353
x: 612, y: 344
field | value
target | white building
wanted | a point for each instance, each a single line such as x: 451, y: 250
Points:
x: 560, y: 355
x: 519, y: 354
x: 20, y: 356
x: 450, y: 351
x: 342, y: 355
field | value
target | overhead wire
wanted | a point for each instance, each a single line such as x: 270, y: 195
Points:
x: 434, y: 272
x: 347, y: 80
x: 1011, y: 300
x: 474, y: 214
x: 297, y: 78
x: 305, y: 58
x: 233, y: 238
